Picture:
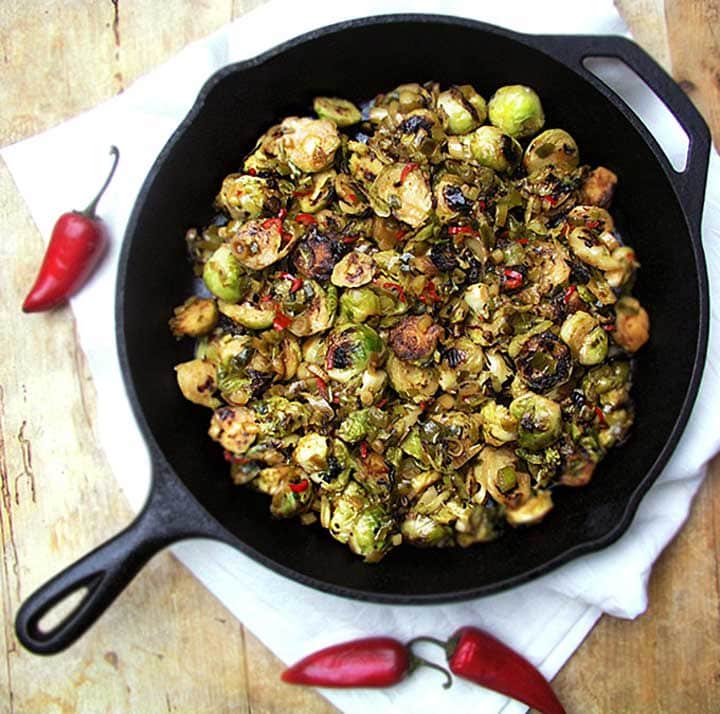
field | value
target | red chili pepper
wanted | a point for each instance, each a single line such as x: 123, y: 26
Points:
x: 522, y: 241
x: 77, y: 243
x: 513, y: 279
x: 300, y: 194
x: 609, y: 327
x: 478, y: 656
x: 352, y: 198
x: 367, y: 662
x: 592, y: 224
x: 281, y: 320
x: 551, y: 200
x: 455, y: 230
x: 569, y: 291
x: 600, y: 416
x: 295, y: 284
x: 399, y: 289
x: 282, y: 213
x: 382, y: 403
x: 364, y: 449
x: 423, y: 405
x: 348, y: 239
x: 482, y: 205
x: 432, y: 292
x: 407, y: 170
x: 252, y: 172
x: 400, y: 234
x: 299, y: 487
x: 307, y: 219
x: 322, y: 388
x: 266, y: 298
x: 233, y: 459
x: 270, y: 222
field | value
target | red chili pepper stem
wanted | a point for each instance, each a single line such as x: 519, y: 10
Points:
x: 90, y: 210
x: 417, y: 662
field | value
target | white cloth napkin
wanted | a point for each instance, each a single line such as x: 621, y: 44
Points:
x: 546, y: 619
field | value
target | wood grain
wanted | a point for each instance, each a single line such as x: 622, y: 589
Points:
x: 167, y: 645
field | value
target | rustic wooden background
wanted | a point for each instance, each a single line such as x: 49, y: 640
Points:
x: 167, y: 645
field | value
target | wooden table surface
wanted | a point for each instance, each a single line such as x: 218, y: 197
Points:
x: 167, y: 645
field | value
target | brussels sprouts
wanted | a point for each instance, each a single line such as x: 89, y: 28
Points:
x: 316, y: 194
x: 415, y: 337
x: 492, y: 470
x: 244, y: 196
x: 625, y: 256
x: 479, y: 523
x: 543, y: 362
x: 358, y: 304
x: 371, y: 533
x: 197, y: 380
x: 516, y: 109
x: 632, y: 324
x: 539, y: 421
x: 532, y: 511
x: 355, y: 427
x: 452, y: 198
x: 402, y: 190
x: 256, y: 317
x: 354, y: 270
x: 499, y: 426
x: 194, y: 318
x: 592, y: 216
x: 234, y: 427
x: 461, y: 109
x: 310, y: 144
x: 553, y: 147
x: 599, y: 187
x: 321, y: 313
x: 341, y: 111
x: 223, y: 275
x: 422, y: 531
x: 288, y: 503
x: 479, y: 299
x: 350, y: 350
x: 256, y: 244
x: 350, y: 200
x: 311, y: 452
x: 593, y: 249
x: 315, y: 256
x: 586, y: 339
x: 414, y: 383
x: 490, y: 147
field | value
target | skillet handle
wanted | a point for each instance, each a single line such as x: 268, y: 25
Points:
x: 105, y: 572
x: 689, y: 184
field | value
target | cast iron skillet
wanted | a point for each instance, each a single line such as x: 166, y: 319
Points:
x: 191, y: 495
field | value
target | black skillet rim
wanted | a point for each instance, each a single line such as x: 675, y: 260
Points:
x: 540, y: 43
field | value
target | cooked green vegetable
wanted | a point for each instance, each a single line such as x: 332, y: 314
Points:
x: 418, y: 324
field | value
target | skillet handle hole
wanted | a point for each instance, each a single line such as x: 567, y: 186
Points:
x: 651, y: 110
x: 53, y: 618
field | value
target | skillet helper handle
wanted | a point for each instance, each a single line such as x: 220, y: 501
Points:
x: 104, y: 573
x: 689, y: 183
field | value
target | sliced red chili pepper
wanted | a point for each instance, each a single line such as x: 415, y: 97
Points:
x: 300, y: 194
x: 400, y: 234
x: 352, y: 198
x: 266, y: 298
x: 281, y: 320
x: 349, y: 239
x: 552, y: 200
x: 592, y: 224
x: 252, y: 172
x: 282, y: 214
x: 364, y: 449
x: 609, y: 327
x: 512, y: 279
x: 483, y: 659
x: 382, y: 403
x: 270, y: 222
x: 322, y: 388
x: 77, y: 244
x: 399, y: 289
x: 233, y: 459
x: 307, y: 219
x: 455, y: 230
x: 406, y: 171
x: 569, y: 291
x: 299, y: 487
x: 482, y: 205
x: 600, y: 416
x: 295, y: 284
x: 522, y: 241
x: 423, y: 405
x: 432, y: 292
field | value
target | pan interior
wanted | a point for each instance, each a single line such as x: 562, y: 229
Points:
x: 358, y: 62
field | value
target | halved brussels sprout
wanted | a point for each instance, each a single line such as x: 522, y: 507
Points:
x: 532, y: 511
x: 223, y: 275
x: 341, y: 111
x: 492, y: 147
x: 415, y: 337
x: 543, y: 362
x: 461, y: 109
x: 197, y: 380
x: 310, y: 144
x: 452, y: 197
x: 403, y: 190
x: 479, y: 523
x: 236, y: 428
x: 605, y: 378
x: 414, y: 383
x: 497, y: 470
x: 321, y: 313
x: 314, y: 195
x: 595, y: 250
x: 422, y: 531
x: 350, y: 350
x: 256, y: 244
x: 244, y: 196
x: 499, y: 425
x: 539, y: 421
x: 316, y: 256
x: 194, y: 318
x: 350, y: 200
x: 256, y: 317
x: 632, y: 324
x: 353, y: 271
x: 358, y: 304
x: 592, y: 216
x: 517, y: 110
x: 552, y: 147
x: 585, y: 338
x: 311, y: 452
x: 372, y: 532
